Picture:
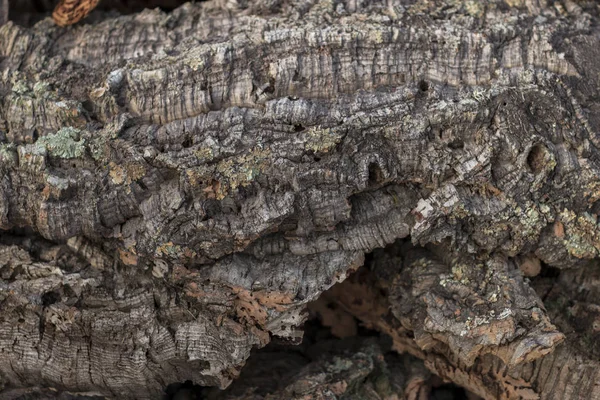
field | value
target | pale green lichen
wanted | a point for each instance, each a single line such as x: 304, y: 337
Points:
x: 530, y: 220
x: 57, y: 182
x: 460, y: 273
x: 579, y: 246
x: 42, y: 90
x: 8, y: 154
x: 582, y: 234
x: 63, y: 144
x: 20, y: 87
x: 376, y: 35
x: 34, y: 150
x: 195, y: 59
x: 339, y: 365
x: 321, y: 140
x: 98, y: 148
x: 204, y: 154
x: 474, y: 8
x: 174, y: 251
x: 240, y: 171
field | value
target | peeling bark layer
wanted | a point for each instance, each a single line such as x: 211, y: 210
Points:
x: 511, y: 368
x: 176, y: 187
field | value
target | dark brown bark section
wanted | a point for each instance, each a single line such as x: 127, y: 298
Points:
x: 175, y: 188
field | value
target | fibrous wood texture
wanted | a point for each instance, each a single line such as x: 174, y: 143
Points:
x: 176, y: 187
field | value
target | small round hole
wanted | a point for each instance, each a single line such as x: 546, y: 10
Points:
x: 423, y: 86
x: 49, y: 298
x: 375, y: 174
x: 536, y: 158
x: 456, y: 144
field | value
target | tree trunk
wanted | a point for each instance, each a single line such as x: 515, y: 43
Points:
x: 177, y: 186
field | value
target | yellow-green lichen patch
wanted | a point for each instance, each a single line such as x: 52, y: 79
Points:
x: 99, y: 148
x: 41, y: 109
x: 582, y: 238
x: 592, y: 191
x: 201, y: 177
x: 65, y: 143
x: 321, y: 140
x: 43, y: 90
x: 240, y: 171
x: 474, y: 8
x: 204, y: 154
x: 20, y: 87
x: 196, y: 57
x: 174, y: 251
x: 460, y: 273
x: 525, y: 223
x: 8, y: 154
x: 126, y: 173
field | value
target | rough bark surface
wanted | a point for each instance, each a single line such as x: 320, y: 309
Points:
x: 176, y: 187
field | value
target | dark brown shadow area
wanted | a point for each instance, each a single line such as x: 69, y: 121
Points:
x: 29, y: 12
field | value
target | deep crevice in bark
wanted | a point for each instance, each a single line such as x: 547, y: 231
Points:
x: 276, y: 368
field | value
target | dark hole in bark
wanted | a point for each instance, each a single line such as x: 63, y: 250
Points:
x: 50, y: 298
x: 317, y: 158
x: 448, y: 392
x: 456, y: 144
x: 184, y: 391
x: 278, y: 365
x: 549, y: 272
x: 423, y: 85
x: 595, y: 207
x: 88, y: 105
x: 142, y: 185
x: 271, y: 88
x: 289, y: 224
x: 212, y: 207
x: 187, y: 143
x: 535, y: 158
x: 298, y: 128
x: 375, y: 174
x: 229, y: 206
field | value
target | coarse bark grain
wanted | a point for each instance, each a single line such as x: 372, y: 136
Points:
x: 177, y: 185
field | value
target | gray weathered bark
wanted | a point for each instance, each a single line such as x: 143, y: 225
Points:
x: 176, y: 187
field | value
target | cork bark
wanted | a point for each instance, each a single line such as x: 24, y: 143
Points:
x: 178, y: 185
